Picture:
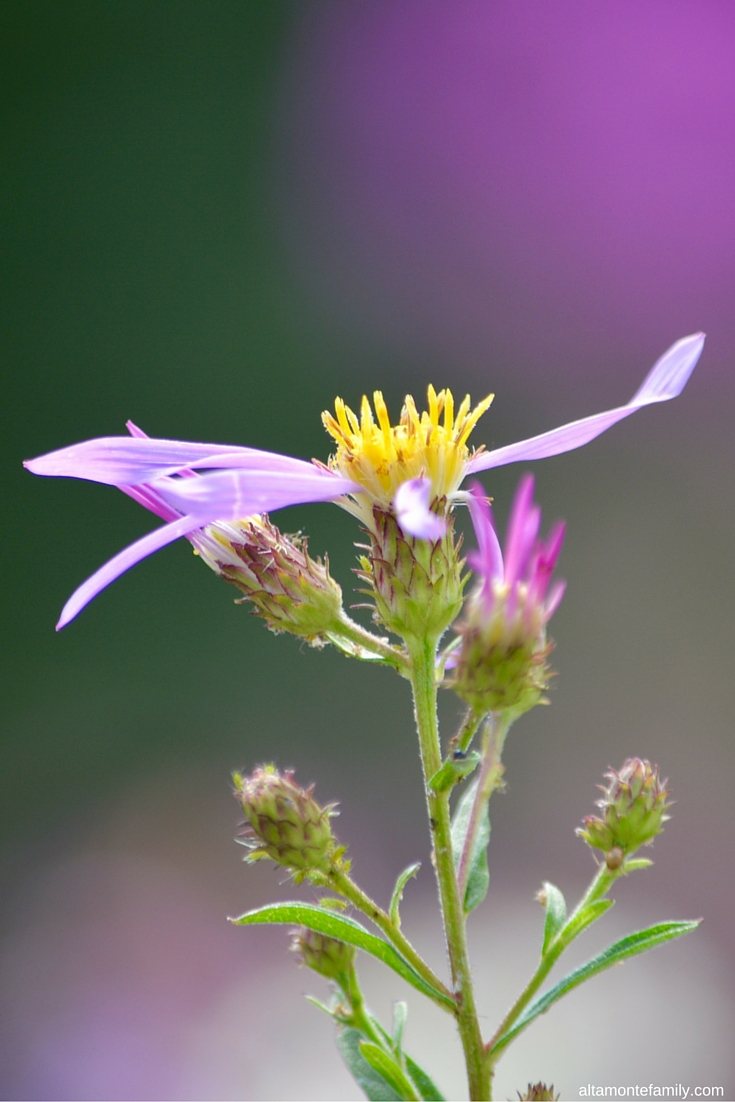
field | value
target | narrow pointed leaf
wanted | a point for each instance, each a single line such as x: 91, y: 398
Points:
x: 586, y: 917
x: 478, y: 880
x: 376, y: 1088
x: 397, y: 896
x: 556, y: 914
x: 344, y: 928
x: 389, y: 1069
x: 425, y: 1085
x: 619, y: 951
x: 427, y: 1089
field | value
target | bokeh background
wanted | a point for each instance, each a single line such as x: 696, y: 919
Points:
x: 215, y: 217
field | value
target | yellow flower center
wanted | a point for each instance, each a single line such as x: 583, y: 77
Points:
x: 381, y: 456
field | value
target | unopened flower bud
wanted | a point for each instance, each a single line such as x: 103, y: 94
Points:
x: 289, y: 589
x: 328, y: 956
x: 285, y: 823
x: 539, y: 1092
x: 633, y: 811
x: 416, y: 583
x: 501, y: 660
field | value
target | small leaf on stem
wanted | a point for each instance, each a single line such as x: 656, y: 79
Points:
x: 478, y: 879
x: 397, y: 896
x: 556, y: 913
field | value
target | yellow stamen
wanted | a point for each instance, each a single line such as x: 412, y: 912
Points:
x: 380, y: 456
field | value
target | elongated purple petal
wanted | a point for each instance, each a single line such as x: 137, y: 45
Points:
x: 666, y: 380
x: 411, y: 504
x: 233, y: 495
x: 154, y: 541
x: 152, y: 501
x: 127, y: 460
x: 523, y: 526
x: 488, y: 560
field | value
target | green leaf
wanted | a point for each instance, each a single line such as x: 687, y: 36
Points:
x: 556, y: 914
x: 478, y: 880
x: 586, y: 917
x: 634, y: 863
x: 427, y: 1089
x: 400, y: 1013
x: 376, y: 1088
x: 453, y: 770
x: 344, y: 928
x: 397, y: 896
x: 619, y: 951
x: 389, y: 1070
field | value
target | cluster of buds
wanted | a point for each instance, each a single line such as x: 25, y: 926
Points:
x: 633, y: 809
x: 289, y: 589
x: 416, y: 583
x: 500, y: 662
x: 326, y: 955
x: 286, y: 824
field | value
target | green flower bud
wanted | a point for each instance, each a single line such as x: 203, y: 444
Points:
x: 633, y: 811
x: 416, y: 583
x: 328, y: 956
x: 289, y: 589
x: 286, y: 824
x: 539, y: 1092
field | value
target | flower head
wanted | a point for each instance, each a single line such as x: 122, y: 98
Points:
x: 501, y: 660
x: 289, y: 589
x: 633, y: 810
x: 381, y: 457
x: 285, y: 823
x: 326, y: 955
x: 411, y: 469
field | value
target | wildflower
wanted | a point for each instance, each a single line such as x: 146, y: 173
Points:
x: 633, y: 811
x: 412, y: 469
x: 285, y: 823
x: 501, y: 660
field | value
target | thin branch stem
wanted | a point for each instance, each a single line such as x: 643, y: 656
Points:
x: 347, y: 887
x: 360, y: 637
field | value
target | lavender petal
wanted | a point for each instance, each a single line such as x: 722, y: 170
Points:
x: 666, y: 380
x: 411, y: 504
x: 154, y: 541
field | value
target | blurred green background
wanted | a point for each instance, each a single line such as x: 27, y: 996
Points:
x: 166, y: 200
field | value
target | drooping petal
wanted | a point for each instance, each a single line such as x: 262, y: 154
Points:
x: 666, y: 380
x: 127, y: 460
x: 235, y: 494
x: 411, y: 504
x: 488, y: 560
x: 154, y: 541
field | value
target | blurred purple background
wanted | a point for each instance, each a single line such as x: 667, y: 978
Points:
x: 535, y: 198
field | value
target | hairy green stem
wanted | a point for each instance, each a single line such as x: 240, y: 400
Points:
x: 347, y: 887
x: 423, y: 680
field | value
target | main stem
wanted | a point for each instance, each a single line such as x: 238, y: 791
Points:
x: 423, y: 680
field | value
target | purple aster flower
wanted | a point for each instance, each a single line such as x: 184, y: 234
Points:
x: 501, y: 659
x: 413, y: 469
